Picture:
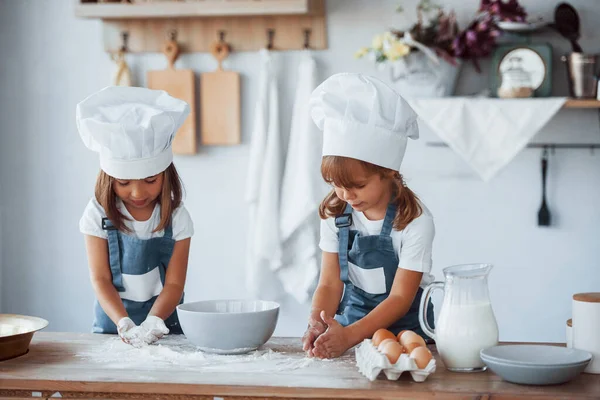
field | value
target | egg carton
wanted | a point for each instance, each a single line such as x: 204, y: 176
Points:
x: 371, y: 362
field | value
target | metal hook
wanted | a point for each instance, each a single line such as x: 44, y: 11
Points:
x: 307, y: 33
x: 173, y: 35
x: 124, y: 39
x: 270, y: 36
x: 221, y: 36
x: 545, y: 153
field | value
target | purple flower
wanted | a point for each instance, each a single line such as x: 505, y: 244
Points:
x: 471, y: 36
x: 502, y: 10
x: 440, y: 32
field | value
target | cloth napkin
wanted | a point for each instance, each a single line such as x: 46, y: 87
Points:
x: 486, y: 133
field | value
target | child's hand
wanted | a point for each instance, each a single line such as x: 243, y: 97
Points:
x: 128, y: 332
x: 334, y: 342
x: 155, y: 329
x: 315, y: 329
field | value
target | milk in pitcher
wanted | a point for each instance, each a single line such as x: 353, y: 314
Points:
x: 466, y: 323
x: 462, y: 330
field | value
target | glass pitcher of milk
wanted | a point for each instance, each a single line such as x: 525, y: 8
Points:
x: 466, y: 322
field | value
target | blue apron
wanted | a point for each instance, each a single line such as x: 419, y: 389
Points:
x: 132, y: 256
x: 372, y: 252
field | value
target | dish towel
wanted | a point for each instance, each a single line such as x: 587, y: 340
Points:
x: 486, y: 133
x: 302, y: 190
x: 263, y: 188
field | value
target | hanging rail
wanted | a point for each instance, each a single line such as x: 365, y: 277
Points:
x: 551, y: 146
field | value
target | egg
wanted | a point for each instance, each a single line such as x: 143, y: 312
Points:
x: 384, y: 343
x: 381, y: 335
x: 391, y: 349
x: 422, y: 356
x: 411, y: 337
x: 411, y: 346
x: 400, y: 334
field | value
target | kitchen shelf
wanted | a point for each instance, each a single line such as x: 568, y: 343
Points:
x: 193, y: 8
x: 582, y: 103
x: 245, y: 25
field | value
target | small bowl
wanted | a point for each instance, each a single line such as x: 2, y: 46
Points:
x: 535, y: 364
x: 228, y: 326
x: 16, y: 332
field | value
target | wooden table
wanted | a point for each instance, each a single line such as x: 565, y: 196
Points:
x: 81, y: 366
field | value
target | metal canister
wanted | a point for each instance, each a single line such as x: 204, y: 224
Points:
x: 582, y: 75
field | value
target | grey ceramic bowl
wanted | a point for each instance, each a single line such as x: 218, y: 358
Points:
x: 228, y: 326
x: 535, y: 364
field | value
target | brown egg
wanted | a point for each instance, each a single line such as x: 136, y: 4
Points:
x: 400, y: 334
x: 411, y: 337
x: 384, y: 343
x: 392, y: 350
x: 411, y: 346
x: 381, y: 335
x: 422, y: 356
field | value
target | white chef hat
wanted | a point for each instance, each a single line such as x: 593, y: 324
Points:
x: 132, y: 128
x: 362, y: 117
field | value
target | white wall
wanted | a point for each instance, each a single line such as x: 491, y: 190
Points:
x: 50, y: 61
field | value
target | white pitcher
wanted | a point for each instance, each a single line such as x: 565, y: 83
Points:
x: 466, y: 323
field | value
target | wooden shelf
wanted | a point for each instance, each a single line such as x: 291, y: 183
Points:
x: 193, y: 8
x: 582, y: 103
x: 244, y: 24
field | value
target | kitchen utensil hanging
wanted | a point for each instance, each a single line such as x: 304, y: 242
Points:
x: 179, y: 83
x: 220, y: 100
x: 122, y: 74
x: 544, y: 217
x: 566, y: 22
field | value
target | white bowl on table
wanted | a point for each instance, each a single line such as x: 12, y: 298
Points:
x: 16, y: 332
x: 535, y: 364
x: 228, y: 326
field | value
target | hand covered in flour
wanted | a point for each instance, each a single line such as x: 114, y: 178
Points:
x: 154, y: 329
x: 334, y: 342
x: 315, y: 328
x: 128, y: 332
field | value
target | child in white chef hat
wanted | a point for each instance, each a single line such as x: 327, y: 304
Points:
x: 376, y: 235
x: 137, y: 230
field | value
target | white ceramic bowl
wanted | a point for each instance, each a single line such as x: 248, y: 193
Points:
x: 228, y: 326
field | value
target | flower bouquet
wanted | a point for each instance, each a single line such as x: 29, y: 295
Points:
x: 425, y: 59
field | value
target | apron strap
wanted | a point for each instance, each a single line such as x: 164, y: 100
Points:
x: 168, y: 236
x: 388, y: 222
x: 114, y: 254
x: 343, y: 224
x: 168, y: 231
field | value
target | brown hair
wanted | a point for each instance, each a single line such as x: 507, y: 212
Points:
x: 337, y: 170
x: 169, y: 199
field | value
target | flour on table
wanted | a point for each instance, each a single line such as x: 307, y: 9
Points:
x: 176, y: 350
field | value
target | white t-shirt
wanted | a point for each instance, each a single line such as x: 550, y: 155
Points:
x: 413, y: 245
x: 91, y: 222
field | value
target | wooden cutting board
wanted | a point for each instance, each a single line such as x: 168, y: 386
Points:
x: 179, y: 83
x: 220, y: 102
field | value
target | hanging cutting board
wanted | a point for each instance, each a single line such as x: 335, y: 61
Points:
x: 178, y: 83
x: 220, y: 102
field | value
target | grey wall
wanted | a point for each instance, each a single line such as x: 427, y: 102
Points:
x: 51, y: 60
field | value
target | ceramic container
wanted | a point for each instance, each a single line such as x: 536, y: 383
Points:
x: 228, y: 326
